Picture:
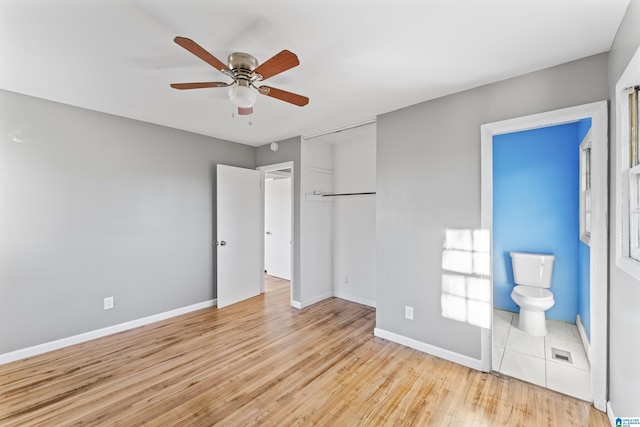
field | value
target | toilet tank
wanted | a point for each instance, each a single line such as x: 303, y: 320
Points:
x: 532, y: 269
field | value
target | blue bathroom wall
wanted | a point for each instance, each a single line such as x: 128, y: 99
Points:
x: 536, y: 209
x: 584, y: 258
x: 583, y: 128
x: 584, y: 300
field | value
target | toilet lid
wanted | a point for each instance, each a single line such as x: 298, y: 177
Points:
x: 533, y: 292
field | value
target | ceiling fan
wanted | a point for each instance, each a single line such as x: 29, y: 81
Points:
x: 246, y: 73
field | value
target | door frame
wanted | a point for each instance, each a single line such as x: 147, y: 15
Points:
x: 270, y: 168
x: 598, y: 112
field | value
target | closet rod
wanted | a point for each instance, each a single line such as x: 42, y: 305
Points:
x: 347, y: 194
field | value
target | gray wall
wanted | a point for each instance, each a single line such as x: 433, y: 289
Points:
x: 624, y: 291
x: 428, y: 180
x: 288, y: 151
x: 93, y: 205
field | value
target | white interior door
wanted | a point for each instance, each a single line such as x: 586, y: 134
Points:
x: 239, y: 234
x: 277, y: 225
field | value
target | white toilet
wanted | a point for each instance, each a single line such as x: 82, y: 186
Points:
x: 532, y: 273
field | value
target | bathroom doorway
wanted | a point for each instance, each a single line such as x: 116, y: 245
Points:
x: 277, y: 226
x: 504, y: 345
x: 277, y: 223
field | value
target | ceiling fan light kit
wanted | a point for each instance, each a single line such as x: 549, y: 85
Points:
x: 245, y: 71
x: 242, y: 96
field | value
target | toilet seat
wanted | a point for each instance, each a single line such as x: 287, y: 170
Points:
x: 532, y: 299
x: 532, y: 292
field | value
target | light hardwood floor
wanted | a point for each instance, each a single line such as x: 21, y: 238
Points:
x: 264, y: 362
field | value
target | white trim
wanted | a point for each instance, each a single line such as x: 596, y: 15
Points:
x: 486, y: 348
x: 363, y: 301
x: 599, y: 238
x: 99, y: 333
x: 583, y: 337
x: 320, y: 170
x: 316, y: 299
x: 486, y: 223
x: 634, y: 246
x: 451, y: 356
x: 585, y: 145
x: 629, y: 78
x: 328, y: 132
x: 300, y: 305
x: 276, y: 167
x: 611, y: 415
x: 627, y: 264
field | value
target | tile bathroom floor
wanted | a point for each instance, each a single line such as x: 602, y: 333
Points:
x: 528, y: 358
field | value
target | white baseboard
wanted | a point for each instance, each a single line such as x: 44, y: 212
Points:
x: 451, y: 356
x: 359, y: 300
x: 98, y: 333
x: 299, y: 305
x: 583, y: 337
x: 611, y: 415
x: 314, y: 300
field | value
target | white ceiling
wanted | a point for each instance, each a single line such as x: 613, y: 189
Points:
x: 358, y: 58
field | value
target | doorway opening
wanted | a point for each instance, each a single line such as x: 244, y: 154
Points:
x: 277, y: 226
x: 597, y: 265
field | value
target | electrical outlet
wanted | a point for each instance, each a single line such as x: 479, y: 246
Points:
x: 346, y: 279
x: 108, y: 303
x: 408, y: 312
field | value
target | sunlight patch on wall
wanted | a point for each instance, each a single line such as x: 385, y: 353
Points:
x: 466, y: 288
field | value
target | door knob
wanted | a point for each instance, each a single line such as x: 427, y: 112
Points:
x: 268, y: 232
x: 221, y: 243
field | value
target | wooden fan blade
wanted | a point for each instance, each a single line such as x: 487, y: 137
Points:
x: 283, y: 95
x: 277, y: 64
x: 201, y: 85
x: 201, y: 53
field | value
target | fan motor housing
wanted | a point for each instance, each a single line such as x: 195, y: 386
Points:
x: 242, y: 61
x: 242, y: 64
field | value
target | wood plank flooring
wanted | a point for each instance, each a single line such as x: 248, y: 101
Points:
x: 262, y: 362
